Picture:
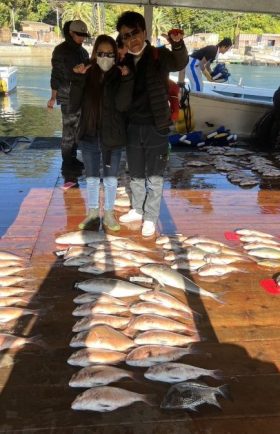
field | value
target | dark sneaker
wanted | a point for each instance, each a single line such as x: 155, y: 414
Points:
x: 91, y: 220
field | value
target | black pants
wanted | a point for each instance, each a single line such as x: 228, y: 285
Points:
x: 70, y: 122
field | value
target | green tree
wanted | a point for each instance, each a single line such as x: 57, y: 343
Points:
x: 79, y: 11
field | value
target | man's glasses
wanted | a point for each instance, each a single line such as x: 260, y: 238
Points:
x: 129, y: 35
x: 102, y: 54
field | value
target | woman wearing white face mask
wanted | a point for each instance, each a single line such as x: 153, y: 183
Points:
x: 103, y: 91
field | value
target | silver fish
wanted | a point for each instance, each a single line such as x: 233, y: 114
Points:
x: 164, y: 337
x: 225, y: 259
x: 178, y: 372
x: 77, y: 261
x: 217, y: 270
x: 90, y: 356
x: 103, y: 298
x: 74, y: 251
x: 127, y: 244
x: 260, y: 245
x: 258, y: 239
x: 84, y: 237
x: 265, y: 253
x: 117, y: 322
x: 149, y: 355
x: 270, y: 263
x: 166, y: 276
x: 99, y: 375
x: 114, y: 287
x: 189, y: 395
x: 191, y: 264
x: 100, y: 268
x: 106, y: 398
x: 252, y: 232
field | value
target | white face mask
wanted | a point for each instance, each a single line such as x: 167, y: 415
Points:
x: 105, y: 63
x: 138, y: 52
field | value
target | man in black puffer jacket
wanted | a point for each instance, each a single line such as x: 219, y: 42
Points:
x: 65, y: 56
x: 148, y: 116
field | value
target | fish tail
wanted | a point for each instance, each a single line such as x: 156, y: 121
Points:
x: 218, y: 374
x: 151, y: 399
x: 37, y: 340
x: 225, y: 391
x: 218, y: 297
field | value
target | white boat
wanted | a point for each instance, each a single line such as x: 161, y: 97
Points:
x: 8, y: 79
x: 210, y: 111
x: 257, y: 94
x: 237, y: 107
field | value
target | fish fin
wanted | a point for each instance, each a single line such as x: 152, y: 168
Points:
x: 224, y: 391
x: 151, y: 399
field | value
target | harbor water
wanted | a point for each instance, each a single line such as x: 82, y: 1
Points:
x: 24, y: 112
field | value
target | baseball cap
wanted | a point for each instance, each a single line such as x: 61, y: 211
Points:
x: 79, y: 27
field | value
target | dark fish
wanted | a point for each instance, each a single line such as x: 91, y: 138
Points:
x: 191, y: 394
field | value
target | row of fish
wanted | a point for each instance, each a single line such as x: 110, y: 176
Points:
x: 111, y: 327
x: 13, y: 301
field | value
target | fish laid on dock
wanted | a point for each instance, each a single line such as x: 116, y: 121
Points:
x: 189, y: 395
x: 166, y: 276
x: 84, y: 237
x: 164, y: 337
x: 117, y: 322
x: 103, y: 337
x: 114, y: 287
x: 99, y: 375
x: 107, y: 398
x: 149, y: 355
x: 90, y: 356
x: 179, y: 372
x: 8, y: 341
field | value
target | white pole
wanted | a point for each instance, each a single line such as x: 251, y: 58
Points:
x: 148, y: 15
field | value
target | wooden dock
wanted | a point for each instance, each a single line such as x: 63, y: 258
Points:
x: 240, y: 337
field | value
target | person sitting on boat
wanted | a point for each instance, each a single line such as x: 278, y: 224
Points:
x: 200, y: 61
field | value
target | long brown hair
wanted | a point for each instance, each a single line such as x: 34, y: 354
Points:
x: 94, y: 86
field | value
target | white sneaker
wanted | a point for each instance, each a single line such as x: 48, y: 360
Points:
x: 148, y: 228
x: 131, y: 216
